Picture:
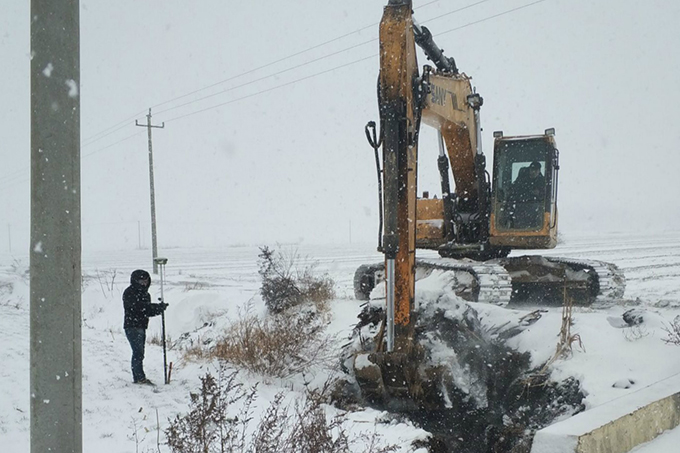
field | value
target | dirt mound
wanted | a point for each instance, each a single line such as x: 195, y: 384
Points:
x: 484, y: 395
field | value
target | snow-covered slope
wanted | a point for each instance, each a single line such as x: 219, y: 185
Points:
x: 209, y: 285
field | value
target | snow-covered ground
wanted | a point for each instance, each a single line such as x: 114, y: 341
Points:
x: 211, y: 284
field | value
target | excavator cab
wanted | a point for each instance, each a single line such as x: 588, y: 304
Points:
x: 524, y: 194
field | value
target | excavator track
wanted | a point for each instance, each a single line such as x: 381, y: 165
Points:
x: 611, y: 280
x: 532, y: 279
x: 493, y: 284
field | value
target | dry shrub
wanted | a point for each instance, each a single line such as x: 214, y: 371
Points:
x: 635, y: 332
x: 287, y: 283
x: 277, y: 346
x: 673, y: 332
x: 220, y: 414
x: 195, y: 352
x: 209, y: 427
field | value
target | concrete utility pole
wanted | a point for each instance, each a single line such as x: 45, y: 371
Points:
x: 55, y: 250
x: 154, y: 242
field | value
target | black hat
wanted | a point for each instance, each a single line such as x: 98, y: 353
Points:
x: 535, y: 164
x: 138, y: 275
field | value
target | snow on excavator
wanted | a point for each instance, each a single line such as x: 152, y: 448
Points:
x: 474, y: 228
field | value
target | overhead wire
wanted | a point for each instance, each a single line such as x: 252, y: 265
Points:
x: 116, y: 127
x: 271, y: 88
x: 323, y: 57
x: 120, y: 125
x: 114, y: 143
x: 287, y: 57
x: 491, y: 17
x: 21, y: 175
x: 352, y: 62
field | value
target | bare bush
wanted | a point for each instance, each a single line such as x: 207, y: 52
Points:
x: 277, y: 346
x: 220, y: 414
x: 287, y: 282
x: 107, y: 282
x: 635, y: 332
x: 209, y: 427
x: 673, y: 332
x: 19, y: 268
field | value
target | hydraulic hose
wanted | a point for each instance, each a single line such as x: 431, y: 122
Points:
x: 375, y: 143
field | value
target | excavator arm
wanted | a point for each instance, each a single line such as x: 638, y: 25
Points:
x: 400, y: 117
x: 443, y: 99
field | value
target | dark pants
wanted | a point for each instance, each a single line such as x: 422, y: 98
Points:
x: 137, y: 337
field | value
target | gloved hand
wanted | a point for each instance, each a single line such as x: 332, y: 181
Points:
x: 163, y: 306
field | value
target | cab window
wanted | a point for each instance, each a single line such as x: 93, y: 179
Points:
x: 520, y: 185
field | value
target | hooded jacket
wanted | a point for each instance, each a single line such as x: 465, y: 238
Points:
x: 137, y: 302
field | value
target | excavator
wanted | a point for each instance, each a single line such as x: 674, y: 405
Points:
x: 474, y: 227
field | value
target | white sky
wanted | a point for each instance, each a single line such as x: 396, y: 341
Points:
x: 292, y: 163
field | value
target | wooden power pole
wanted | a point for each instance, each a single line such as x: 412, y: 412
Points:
x: 154, y: 242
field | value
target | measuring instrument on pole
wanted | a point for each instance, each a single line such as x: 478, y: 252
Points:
x: 161, y: 262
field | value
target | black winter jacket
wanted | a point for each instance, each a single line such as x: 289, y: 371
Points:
x: 137, y: 302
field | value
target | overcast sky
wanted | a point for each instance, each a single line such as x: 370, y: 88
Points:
x: 292, y: 163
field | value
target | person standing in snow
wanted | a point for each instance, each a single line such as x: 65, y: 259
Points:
x: 138, y: 310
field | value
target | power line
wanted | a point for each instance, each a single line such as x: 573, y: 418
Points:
x: 491, y: 17
x: 271, y: 89
x: 279, y: 60
x: 268, y: 76
x: 120, y: 125
x: 301, y: 64
x: 455, y: 11
x: 6, y: 183
x: 22, y: 175
x: 123, y: 122
x: 352, y: 62
x: 113, y: 144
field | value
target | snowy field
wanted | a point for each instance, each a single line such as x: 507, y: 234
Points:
x: 210, y: 285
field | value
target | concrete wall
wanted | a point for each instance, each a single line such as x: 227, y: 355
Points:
x: 617, y: 426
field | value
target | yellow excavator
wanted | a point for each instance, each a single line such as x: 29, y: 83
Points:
x: 473, y: 227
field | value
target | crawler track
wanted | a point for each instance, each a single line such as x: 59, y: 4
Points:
x: 519, y: 279
x: 611, y: 280
x: 492, y: 282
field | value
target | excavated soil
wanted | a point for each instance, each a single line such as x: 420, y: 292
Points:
x: 491, y: 400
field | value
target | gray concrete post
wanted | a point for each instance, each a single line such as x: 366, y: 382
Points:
x: 152, y: 190
x: 154, y: 241
x: 55, y: 250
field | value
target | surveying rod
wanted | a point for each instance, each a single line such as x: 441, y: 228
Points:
x: 161, y: 262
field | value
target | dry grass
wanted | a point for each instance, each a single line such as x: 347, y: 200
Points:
x: 277, y: 346
x: 157, y: 340
x: 564, y: 348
